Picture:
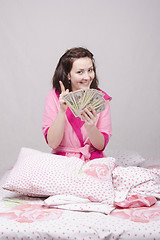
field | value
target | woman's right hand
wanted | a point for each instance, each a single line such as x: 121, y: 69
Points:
x: 63, y: 104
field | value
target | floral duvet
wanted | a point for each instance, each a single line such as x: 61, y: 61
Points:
x: 133, y: 216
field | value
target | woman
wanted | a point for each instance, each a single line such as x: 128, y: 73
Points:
x: 85, y: 138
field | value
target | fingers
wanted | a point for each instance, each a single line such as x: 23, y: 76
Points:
x: 63, y: 90
x: 93, y: 111
x: 63, y: 104
x: 62, y: 86
x: 89, y: 116
x: 87, y: 113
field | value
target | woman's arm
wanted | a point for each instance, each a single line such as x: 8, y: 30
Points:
x: 95, y: 136
x: 56, y: 130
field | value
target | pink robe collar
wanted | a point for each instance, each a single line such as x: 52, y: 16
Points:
x: 76, y: 124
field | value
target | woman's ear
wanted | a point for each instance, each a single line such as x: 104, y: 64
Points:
x: 69, y: 76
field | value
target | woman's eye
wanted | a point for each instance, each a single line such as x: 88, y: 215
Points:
x: 90, y: 70
x: 79, y: 72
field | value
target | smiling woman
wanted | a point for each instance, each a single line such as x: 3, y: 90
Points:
x: 84, y: 137
x: 74, y: 60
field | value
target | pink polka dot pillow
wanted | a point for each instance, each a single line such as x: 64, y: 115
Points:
x: 125, y: 158
x: 44, y: 174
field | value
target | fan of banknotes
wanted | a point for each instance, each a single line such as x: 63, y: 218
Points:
x: 80, y: 99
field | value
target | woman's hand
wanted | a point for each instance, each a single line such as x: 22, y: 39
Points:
x: 96, y: 137
x: 89, y: 117
x: 63, y: 105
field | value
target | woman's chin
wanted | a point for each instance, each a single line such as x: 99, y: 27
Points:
x: 82, y: 87
x: 85, y: 87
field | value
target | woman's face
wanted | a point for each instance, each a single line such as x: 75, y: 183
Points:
x: 81, y: 74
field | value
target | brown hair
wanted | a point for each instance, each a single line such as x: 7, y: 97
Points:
x: 64, y: 67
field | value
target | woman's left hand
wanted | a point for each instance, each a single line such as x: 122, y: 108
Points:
x: 89, y: 117
x: 95, y: 136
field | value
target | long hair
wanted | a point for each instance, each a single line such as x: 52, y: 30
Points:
x: 64, y: 67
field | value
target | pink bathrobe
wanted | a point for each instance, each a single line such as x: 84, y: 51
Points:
x: 75, y: 141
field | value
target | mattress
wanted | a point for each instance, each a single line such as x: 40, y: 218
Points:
x: 24, y: 217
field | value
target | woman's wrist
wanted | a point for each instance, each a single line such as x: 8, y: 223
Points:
x: 61, y: 112
x: 90, y: 127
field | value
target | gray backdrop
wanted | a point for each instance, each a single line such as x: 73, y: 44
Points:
x: 124, y: 36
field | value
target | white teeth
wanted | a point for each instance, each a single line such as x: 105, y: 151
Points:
x: 84, y: 82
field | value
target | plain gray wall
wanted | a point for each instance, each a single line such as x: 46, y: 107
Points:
x: 124, y: 36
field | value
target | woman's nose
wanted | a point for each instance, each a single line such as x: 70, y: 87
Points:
x: 86, y: 75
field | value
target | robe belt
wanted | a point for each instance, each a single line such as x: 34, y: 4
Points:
x: 81, y: 150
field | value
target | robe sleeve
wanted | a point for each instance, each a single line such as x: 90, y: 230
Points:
x: 50, y: 111
x: 104, y: 124
x: 104, y: 121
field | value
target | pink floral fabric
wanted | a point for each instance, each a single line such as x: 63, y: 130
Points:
x: 28, y: 213
x: 142, y: 214
x: 137, y: 201
x: 101, y: 169
x: 25, y: 218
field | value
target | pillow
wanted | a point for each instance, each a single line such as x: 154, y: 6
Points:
x: 125, y: 158
x: 151, y: 162
x: 133, y: 180
x: 44, y: 174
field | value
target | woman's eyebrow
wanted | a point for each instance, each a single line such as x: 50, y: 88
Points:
x: 81, y: 69
x: 84, y: 68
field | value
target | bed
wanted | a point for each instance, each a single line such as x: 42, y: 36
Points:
x: 129, y: 210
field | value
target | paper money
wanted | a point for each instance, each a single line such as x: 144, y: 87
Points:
x: 81, y: 99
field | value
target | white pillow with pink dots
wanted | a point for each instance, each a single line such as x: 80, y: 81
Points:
x: 125, y: 157
x: 44, y: 174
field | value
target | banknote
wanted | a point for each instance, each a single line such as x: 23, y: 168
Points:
x: 81, y: 99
